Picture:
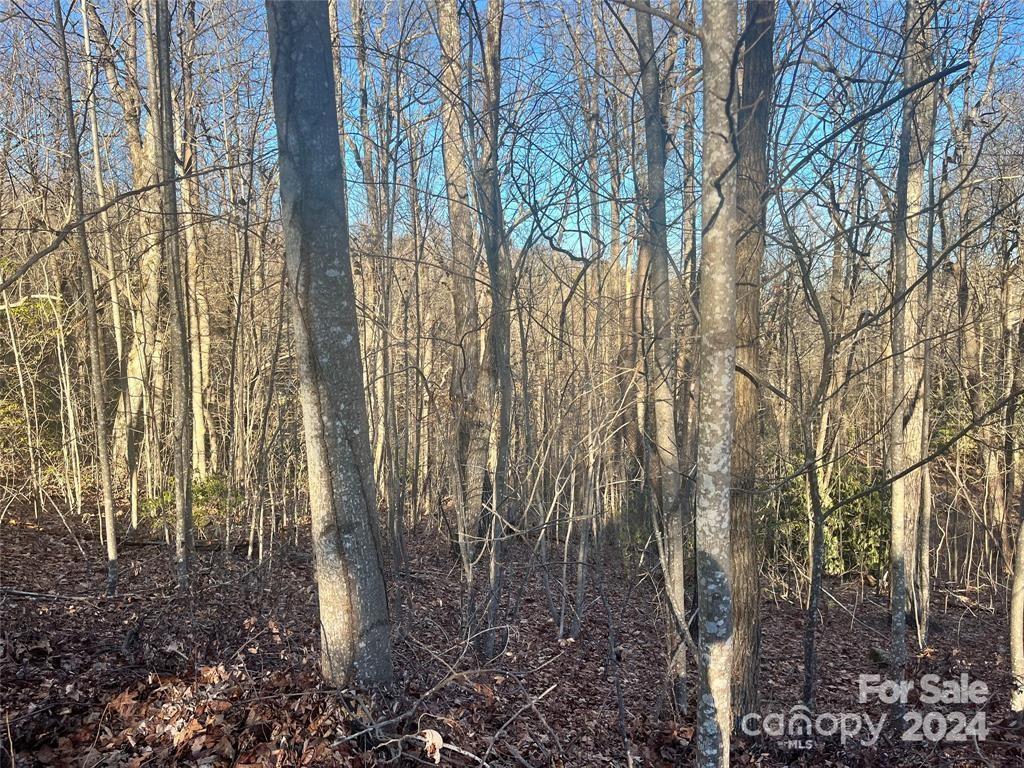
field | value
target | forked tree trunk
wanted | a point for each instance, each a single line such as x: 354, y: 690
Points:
x: 101, y: 198
x: 471, y: 408
x: 134, y: 418
x: 493, y: 230
x: 355, y: 633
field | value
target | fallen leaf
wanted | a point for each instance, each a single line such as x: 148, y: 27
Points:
x: 432, y: 743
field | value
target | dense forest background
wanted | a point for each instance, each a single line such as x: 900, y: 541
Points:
x: 669, y: 356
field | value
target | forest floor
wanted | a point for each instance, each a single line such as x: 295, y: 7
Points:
x: 226, y: 676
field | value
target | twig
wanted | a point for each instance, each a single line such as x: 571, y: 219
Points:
x: 853, y: 616
x: 977, y: 748
x: 10, y: 738
x: 49, y: 596
x: 530, y: 703
x: 99, y: 728
x: 450, y: 748
x: 444, y: 682
x: 25, y: 716
x: 543, y: 721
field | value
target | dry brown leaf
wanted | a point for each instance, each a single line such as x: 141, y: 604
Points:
x: 432, y: 744
x: 192, y: 729
x: 125, y: 704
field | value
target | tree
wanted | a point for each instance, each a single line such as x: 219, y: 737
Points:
x: 1017, y: 618
x: 355, y: 633
x: 492, y: 225
x: 181, y: 373
x: 97, y: 390
x: 194, y: 236
x: 136, y: 414
x: 472, y: 392
x: 717, y: 391
x: 662, y: 376
x: 905, y: 425
x: 753, y: 120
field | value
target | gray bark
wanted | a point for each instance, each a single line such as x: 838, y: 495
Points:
x: 717, y: 378
x: 355, y: 633
x: 662, y: 376
x: 181, y: 373
x: 470, y: 393
x: 906, y: 423
x: 493, y: 230
x: 97, y: 388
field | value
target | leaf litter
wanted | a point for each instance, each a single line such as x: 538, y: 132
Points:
x: 227, y: 674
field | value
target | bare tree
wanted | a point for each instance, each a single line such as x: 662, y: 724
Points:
x: 353, y: 605
x: 181, y: 373
x: 905, y: 424
x: 662, y: 376
x: 753, y: 120
x: 97, y: 390
x: 471, y: 391
x: 717, y: 396
x: 492, y: 224
x: 135, y: 417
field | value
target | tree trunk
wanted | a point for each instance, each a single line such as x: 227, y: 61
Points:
x: 471, y: 402
x: 906, y: 422
x: 194, y: 234
x: 493, y: 230
x: 662, y: 376
x: 134, y: 419
x: 181, y: 373
x: 1017, y: 621
x: 117, y: 325
x: 717, y: 378
x: 97, y: 389
x: 355, y: 635
x: 751, y: 183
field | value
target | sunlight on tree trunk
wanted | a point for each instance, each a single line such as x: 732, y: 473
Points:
x: 717, y: 398
x: 355, y: 634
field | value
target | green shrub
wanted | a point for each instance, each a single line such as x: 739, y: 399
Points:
x: 212, y: 502
x: 856, y: 536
